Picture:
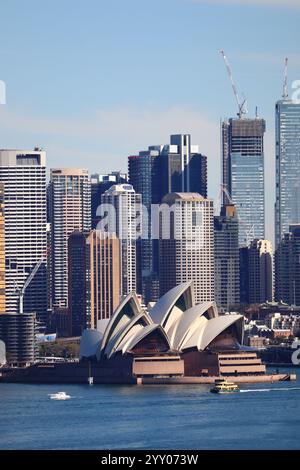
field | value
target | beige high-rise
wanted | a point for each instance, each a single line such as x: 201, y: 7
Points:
x: 186, y: 244
x: 70, y: 199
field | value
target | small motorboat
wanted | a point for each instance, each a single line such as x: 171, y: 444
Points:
x: 223, y: 386
x: 59, y: 396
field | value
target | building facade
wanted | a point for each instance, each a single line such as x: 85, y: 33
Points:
x: 287, y: 129
x: 186, y: 244
x: 227, y: 265
x: 18, y: 332
x: 99, y: 184
x: 256, y: 272
x: 23, y: 174
x: 94, y: 279
x: 69, y: 207
x: 160, y: 170
x: 243, y: 174
x: 123, y: 206
x: 287, y: 267
x: 2, y: 251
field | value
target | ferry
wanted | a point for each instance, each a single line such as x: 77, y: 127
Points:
x: 59, y: 396
x: 223, y: 386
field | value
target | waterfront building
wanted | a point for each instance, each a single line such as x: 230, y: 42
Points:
x: 94, y: 279
x: 124, y: 205
x: 23, y: 174
x: 176, y: 338
x: 2, y: 252
x: 226, y: 255
x: 70, y: 209
x: 99, y: 184
x: 256, y: 272
x: 287, y: 267
x: 287, y: 130
x: 186, y: 244
x: 243, y: 174
x: 18, y: 332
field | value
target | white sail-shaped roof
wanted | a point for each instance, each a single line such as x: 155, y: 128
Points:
x: 127, y: 309
x: 189, y: 322
x: 136, y: 323
x: 165, y: 312
x: 143, y: 333
x: 210, y: 329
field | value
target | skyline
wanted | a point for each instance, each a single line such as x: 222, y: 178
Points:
x: 89, y: 107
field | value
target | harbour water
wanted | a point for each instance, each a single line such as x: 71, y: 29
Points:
x: 263, y: 416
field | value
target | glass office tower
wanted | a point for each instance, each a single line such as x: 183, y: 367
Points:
x: 243, y: 174
x: 287, y: 207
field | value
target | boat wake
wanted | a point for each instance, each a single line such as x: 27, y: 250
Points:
x: 59, y: 396
x: 277, y: 389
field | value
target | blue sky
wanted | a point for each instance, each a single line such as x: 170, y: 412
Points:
x: 94, y: 81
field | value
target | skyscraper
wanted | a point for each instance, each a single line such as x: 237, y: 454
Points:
x: 99, y: 184
x: 287, y: 267
x: 23, y: 174
x: 256, y: 272
x: 260, y: 271
x: 186, y: 244
x: 227, y: 266
x: 94, y: 279
x: 125, y: 223
x: 160, y: 170
x: 70, y: 209
x: 287, y: 129
x: 243, y: 174
x: 2, y: 251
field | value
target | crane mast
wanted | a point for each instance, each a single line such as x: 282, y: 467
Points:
x: 285, y: 93
x: 241, y: 105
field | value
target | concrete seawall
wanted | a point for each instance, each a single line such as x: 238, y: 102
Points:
x: 210, y: 380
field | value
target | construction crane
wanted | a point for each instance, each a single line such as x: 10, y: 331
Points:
x: 285, y: 93
x: 241, y: 105
x: 21, y: 291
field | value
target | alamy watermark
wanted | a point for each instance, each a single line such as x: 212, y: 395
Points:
x: 2, y: 92
x: 296, y: 353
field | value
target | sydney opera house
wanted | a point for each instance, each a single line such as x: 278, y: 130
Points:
x: 174, y: 338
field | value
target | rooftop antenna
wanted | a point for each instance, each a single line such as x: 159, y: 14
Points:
x: 285, y: 93
x: 241, y: 105
x: 256, y: 112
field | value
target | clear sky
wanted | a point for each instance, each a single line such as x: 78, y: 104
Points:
x: 92, y: 82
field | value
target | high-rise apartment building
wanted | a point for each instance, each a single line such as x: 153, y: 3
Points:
x: 227, y: 265
x: 23, y: 174
x: 287, y: 267
x: 123, y: 206
x: 70, y: 209
x: 2, y: 251
x: 287, y: 129
x: 256, y: 272
x: 94, y: 279
x: 186, y: 244
x: 243, y: 174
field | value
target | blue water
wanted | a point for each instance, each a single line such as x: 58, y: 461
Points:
x: 263, y: 416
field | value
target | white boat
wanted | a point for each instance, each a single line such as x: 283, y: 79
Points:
x: 59, y: 396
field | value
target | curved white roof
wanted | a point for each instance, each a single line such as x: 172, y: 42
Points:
x: 212, y: 328
x: 162, y: 309
x: 127, y: 309
x: 186, y: 325
x: 126, y: 333
x: 147, y: 330
x: 90, y: 343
